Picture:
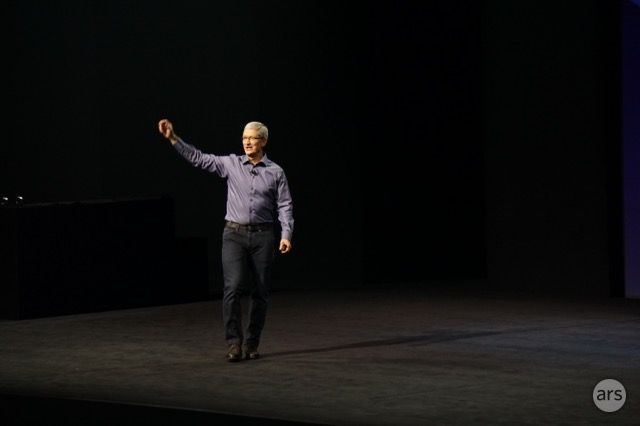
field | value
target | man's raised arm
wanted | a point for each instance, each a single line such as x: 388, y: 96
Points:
x: 166, y: 129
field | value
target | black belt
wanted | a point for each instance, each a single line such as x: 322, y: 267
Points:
x: 258, y: 227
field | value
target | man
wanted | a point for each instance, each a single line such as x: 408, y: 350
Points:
x: 257, y: 195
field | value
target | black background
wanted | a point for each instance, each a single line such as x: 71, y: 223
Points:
x: 423, y: 141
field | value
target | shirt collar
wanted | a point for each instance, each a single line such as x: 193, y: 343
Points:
x: 263, y: 161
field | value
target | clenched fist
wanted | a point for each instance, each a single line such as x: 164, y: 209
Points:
x: 166, y: 129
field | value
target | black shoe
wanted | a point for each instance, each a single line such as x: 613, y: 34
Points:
x: 235, y: 353
x: 251, y: 352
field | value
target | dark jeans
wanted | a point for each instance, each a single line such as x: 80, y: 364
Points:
x: 247, y: 258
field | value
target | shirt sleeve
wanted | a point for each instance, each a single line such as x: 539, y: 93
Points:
x: 209, y: 162
x: 285, y: 208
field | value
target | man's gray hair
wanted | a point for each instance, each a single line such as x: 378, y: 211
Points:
x: 261, y: 128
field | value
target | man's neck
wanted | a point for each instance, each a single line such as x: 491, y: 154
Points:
x: 256, y: 158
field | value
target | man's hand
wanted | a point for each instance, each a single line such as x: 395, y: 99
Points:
x: 166, y: 129
x: 285, y: 246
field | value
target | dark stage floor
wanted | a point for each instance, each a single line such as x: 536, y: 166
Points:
x: 375, y: 356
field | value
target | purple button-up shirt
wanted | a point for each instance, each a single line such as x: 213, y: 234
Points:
x: 255, y: 194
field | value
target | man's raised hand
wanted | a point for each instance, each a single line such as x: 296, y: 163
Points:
x: 166, y: 129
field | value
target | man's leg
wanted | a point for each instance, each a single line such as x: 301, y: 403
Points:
x: 261, y: 261
x: 234, y: 268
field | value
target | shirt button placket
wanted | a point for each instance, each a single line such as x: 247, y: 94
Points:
x: 253, y: 176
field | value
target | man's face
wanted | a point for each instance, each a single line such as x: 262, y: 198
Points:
x: 252, y: 142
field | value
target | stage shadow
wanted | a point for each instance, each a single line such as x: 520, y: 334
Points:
x: 424, y: 339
